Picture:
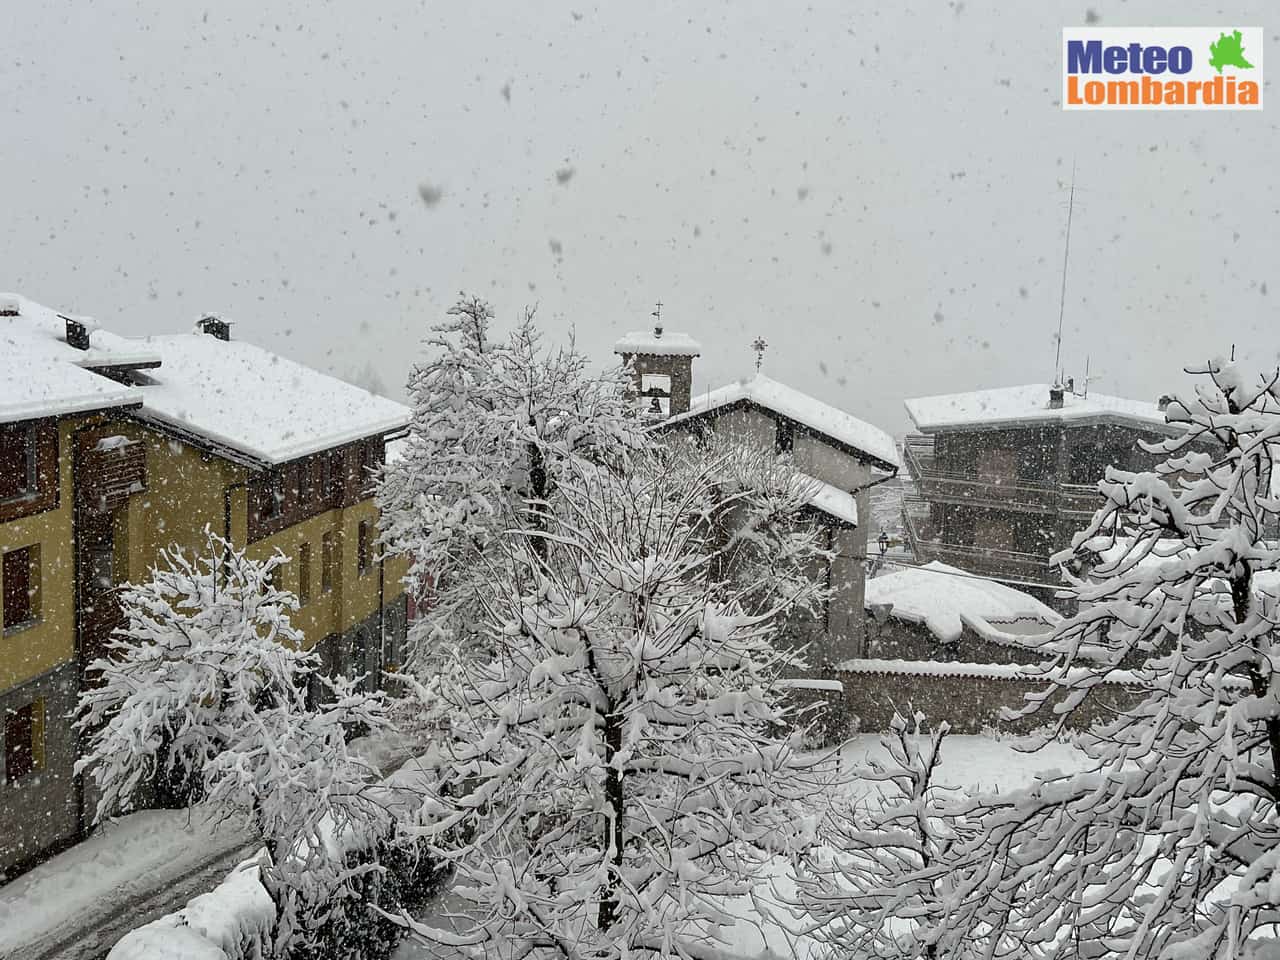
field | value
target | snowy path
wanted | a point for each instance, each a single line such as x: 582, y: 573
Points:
x: 75, y: 906
x: 95, y: 940
x: 138, y: 862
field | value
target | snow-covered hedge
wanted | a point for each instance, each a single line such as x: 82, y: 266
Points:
x: 234, y: 921
x: 239, y: 920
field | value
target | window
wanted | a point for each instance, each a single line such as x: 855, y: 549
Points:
x: 997, y: 465
x: 23, y: 741
x: 20, y: 574
x: 368, y: 460
x: 786, y: 436
x: 327, y: 561
x: 364, y: 546
x: 271, y: 497
x: 324, y: 467
x: 17, y: 461
x: 307, y: 482
x: 304, y: 574
x: 101, y: 563
x: 340, y: 472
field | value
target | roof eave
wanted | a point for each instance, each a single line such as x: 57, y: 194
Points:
x: 1079, y: 420
x: 743, y: 402
x: 72, y: 408
x: 831, y: 519
x: 247, y: 457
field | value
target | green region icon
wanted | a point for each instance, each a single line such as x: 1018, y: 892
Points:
x: 1228, y: 51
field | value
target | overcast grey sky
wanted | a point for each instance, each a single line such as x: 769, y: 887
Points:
x: 879, y: 190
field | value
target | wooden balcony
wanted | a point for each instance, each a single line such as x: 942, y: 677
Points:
x: 113, y: 471
x: 927, y: 545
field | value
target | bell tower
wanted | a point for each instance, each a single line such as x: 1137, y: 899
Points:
x: 661, y: 366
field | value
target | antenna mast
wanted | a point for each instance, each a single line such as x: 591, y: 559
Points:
x: 1066, y: 253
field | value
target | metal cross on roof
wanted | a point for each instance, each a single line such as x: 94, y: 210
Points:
x: 758, y: 345
x: 657, y: 319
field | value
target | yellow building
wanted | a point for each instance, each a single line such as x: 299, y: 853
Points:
x: 114, y: 449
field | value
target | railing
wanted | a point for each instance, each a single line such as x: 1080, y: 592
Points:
x: 1082, y: 498
x: 1017, y: 493
x: 990, y: 561
x: 113, y: 472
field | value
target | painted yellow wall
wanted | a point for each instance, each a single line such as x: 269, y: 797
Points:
x: 33, y: 650
x: 185, y: 492
x: 354, y: 596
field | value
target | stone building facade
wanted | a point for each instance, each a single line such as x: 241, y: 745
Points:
x: 1004, y: 478
x: 839, y: 457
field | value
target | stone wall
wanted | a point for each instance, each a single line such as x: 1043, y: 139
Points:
x: 899, y: 639
x: 969, y: 700
x: 39, y: 813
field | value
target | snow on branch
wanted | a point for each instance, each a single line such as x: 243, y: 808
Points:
x: 1167, y: 846
x: 618, y: 770
x: 203, y: 695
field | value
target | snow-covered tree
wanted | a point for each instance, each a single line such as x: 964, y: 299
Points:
x: 1169, y: 845
x: 496, y: 422
x: 873, y: 888
x: 618, y: 772
x: 205, y: 685
x: 768, y: 540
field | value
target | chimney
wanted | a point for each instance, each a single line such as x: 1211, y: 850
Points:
x: 1055, y: 397
x: 77, y: 333
x: 215, y: 327
x: 1163, y: 402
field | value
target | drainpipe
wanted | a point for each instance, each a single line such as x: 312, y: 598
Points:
x: 875, y: 483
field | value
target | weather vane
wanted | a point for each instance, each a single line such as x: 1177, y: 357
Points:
x: 657, y: 319
x: 759, y: 345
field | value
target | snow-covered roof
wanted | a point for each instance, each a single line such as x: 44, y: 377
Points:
x: 788, y: 402
x: 36, y: 386
x: 658, y: 345
x: 1027, y: 405
x: 257, y: 403
x: 233, y: 394
x: 830, y: 500
x: 946, y: 600
x: 41, y: 375
x: 43, y: 331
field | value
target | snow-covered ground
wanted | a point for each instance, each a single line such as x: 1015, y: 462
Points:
x: 122, y: 861
x: 979, y: 762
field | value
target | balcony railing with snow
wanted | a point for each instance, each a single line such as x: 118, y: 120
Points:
x: 993, y: 490
x: 114, y: 470
x: 927, y: 546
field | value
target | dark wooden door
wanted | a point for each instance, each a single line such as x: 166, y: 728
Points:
x: 96, y: 590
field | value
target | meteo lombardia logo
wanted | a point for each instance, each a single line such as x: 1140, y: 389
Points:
x: 1162, y: 68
